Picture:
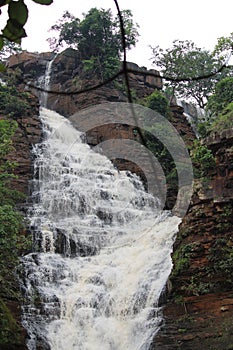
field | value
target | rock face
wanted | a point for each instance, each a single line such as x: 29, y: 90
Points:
x: 66, y: 76
x: 28, y: 133
x: 199, y: 300
x: 199, y: 307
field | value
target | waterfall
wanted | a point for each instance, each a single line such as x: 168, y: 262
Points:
x: 194, y: 114
x: 101, y: 250
x: 44, y: 82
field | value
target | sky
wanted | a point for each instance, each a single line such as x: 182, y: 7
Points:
x: 161, y: 22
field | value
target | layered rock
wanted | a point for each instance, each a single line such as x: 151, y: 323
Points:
x: 199, y: 307
x: 67, y: 79
x: 27, y: 134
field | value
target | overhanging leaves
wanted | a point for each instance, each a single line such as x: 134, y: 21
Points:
x: 4, y: 2
x: 14, y: 31
x: 43, y: 2
x: 18, y: 12
x: 1, y: 42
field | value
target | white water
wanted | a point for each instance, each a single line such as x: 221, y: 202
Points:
x: 193, y: 113
x: 102, y: 250
x: 44, y: 82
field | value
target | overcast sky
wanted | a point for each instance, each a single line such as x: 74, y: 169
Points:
x: 161, y: 22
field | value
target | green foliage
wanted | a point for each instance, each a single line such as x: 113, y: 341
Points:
x: 222, y: 96
x: 7, y: 130
x: 11, y: 243
x: 158, y: 102
x: 7, y: 195
x: 224, y: 46
x: 11, y: 221
x: 122, y: 87
x: 43, y: 2
x: 12, y: 104
x: 104, y: 70
x: 164, y: 158
x: 11, y: 101
x: 203, y: 128
x: 227, y: 211
x: 221, y: 257
x: 202, y: 158
x: 8, y: 49
x: 184, y: 60
x: 219, y: 109
x: 97, y: 38
x: 181, y: 258
x: 197, y: 287
x: 224, y: 119
x: 9, y: 330
x: 17, y: 17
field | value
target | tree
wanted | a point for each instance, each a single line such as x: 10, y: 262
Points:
x: 224, y: 47
x: 223, y: 94
x: 9, y: 48
x: 97, y: 38
x: 184, y: 60
x: 158, y: 102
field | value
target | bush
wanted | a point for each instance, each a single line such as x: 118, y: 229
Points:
x: 12, y: 102
x: 11, y: 242
x: 158, y: 102
x: 11, y: 222
x: 222, y: 96
x: 224, y: 120
x: 203, y: 159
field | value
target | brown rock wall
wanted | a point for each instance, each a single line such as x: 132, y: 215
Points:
x: 199, y: 308
x: 28, y: 133
x: 67, y: 76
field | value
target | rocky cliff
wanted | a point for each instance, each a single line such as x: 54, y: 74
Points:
x: 67, y: 77
x: 199, y: 307
x: 198, y: 304
x: 28, y: 133
x: 66, y: 80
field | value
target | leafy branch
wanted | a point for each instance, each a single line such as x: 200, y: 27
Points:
x: 17, y: 17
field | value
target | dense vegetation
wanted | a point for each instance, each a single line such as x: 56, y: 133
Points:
x: 97, y: 37
x: 192, y: 72
x: 12, y: 242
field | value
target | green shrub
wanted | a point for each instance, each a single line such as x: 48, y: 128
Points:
x: 9, y: 329
x: 202, y: 158
x: 224, y: 119
x: 11, y: 242
x: 222, y: 96
x: 158, y: 102
x: 181, y: 258
x: 12, y: 102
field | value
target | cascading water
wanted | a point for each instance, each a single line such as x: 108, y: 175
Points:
x: 44, y: 82
x: 102, y: 250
